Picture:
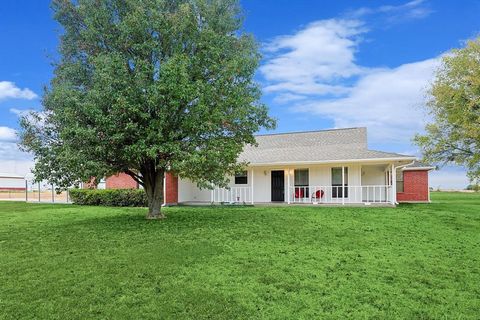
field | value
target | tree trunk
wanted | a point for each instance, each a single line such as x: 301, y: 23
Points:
x: 153, y: 182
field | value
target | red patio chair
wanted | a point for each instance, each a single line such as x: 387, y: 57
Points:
x: 318, y: 194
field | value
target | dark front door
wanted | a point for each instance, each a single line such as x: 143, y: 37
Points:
x: 278, y: 186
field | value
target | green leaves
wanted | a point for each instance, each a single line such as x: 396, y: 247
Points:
x: 454, y: 136
x: 150, y: 86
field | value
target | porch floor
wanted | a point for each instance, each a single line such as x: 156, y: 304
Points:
x: 285, y: 204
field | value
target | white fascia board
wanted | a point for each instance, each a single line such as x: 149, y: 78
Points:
x: 374, y: 160
x: 418, y: 169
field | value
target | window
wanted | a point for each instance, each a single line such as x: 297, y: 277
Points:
x: 400, y: 184
x: 301, y: 183
x: 241, y: 178
x: 337, y: 190
x: 301, y: 177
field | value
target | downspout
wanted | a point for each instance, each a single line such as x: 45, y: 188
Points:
x: 164, y: 189
x: 395, y: 172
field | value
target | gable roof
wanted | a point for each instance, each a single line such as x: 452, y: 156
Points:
x: 334, y: 145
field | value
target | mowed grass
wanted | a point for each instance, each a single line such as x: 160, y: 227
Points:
x: 417, y: 261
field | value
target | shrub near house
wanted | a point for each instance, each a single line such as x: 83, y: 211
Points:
x: 110, y: 197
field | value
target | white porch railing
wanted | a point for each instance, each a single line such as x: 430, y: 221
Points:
x: 312, y: 194
x: 231, y: 195
x: 340, y: 195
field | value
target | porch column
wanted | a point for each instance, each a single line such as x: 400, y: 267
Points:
x: 394, y: 185
x: 251, y: 189
x: 343, y: 184
x: 288, y: 186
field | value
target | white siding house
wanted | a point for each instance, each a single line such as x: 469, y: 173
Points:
x: 328, y: 166
x: 318, y: 167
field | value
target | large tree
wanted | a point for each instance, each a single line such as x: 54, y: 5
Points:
x: 454, y: 104
x: 145, y: 87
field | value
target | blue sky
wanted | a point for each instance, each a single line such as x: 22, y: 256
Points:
x: 326, y: 64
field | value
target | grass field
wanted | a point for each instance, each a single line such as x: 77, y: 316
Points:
x: 415, y: 262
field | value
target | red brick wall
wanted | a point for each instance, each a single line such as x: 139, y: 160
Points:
x: 415, y: 186
x: 124, y: 181
x: 171, y: 189
x: 121, y: 181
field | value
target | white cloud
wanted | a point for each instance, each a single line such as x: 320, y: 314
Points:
x: 30, y: 114
x: 415, y: 9
x: 21, y: 112
x: 8, y: 90
x: 18, y: 112
x: 309, y: 87
x: 389, y: 102
x: 314, y: 71
x: 288, y: 97
x: 12, y: 159
x: 313, y: 59
x: 7, y: 134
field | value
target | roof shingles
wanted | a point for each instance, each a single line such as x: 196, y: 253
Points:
x: 313, y: 146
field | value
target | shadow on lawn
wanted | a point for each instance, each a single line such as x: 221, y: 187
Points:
x: 177, y: 218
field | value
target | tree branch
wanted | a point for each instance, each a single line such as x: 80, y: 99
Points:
x: 135, y: 177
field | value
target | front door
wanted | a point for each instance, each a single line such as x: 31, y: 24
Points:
x: 278, y: 186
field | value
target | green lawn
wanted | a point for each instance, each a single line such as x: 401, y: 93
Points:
x: 414, y: 261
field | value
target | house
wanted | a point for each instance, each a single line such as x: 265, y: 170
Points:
x: 318, y: 167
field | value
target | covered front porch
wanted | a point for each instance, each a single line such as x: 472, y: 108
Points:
x: 329, y: 184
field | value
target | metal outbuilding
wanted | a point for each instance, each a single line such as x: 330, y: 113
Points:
x: 12, y: 182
